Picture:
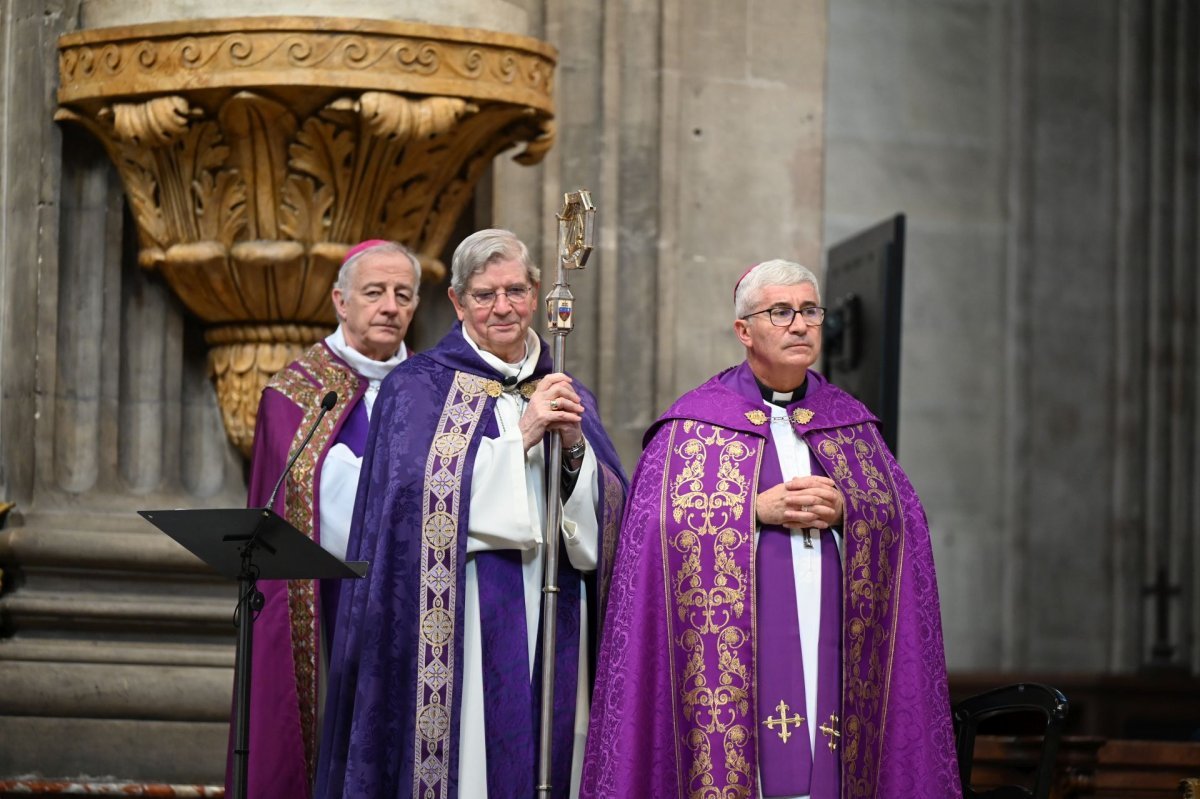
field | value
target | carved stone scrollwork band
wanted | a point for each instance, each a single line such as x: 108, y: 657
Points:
x: 254, y: 152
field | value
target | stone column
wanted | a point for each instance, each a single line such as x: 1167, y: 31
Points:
x: 699, y: 129
x: 116, y: 650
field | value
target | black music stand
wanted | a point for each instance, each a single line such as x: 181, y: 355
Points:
x: 256, y: 543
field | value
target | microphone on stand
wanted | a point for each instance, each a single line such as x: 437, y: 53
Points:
x: 327, y: 403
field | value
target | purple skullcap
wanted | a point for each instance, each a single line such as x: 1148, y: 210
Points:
x: 363, y: 245
x: 749, y: 269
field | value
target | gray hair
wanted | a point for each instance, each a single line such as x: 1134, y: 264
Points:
x: 346, y: 273
x: 486, y: 247
x: 770, y: 273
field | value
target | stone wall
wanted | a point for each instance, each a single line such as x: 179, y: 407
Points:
x: 1044, y: 151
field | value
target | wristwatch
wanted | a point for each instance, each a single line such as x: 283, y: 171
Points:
x: 574, y: 453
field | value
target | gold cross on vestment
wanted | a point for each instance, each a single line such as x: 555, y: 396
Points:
x: 832, y: 731
x: 783, y: 721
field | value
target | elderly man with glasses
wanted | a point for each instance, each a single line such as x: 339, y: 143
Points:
x: 773, y: 626
x: 434, y: 674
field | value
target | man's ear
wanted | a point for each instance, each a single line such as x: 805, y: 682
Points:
x: 338, y: 304
x: 741, y: 329
x: 458, y: 309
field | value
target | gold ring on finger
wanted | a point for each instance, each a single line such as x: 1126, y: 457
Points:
x: 554, y: 404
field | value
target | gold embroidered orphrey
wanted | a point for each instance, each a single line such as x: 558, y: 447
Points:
x: 709, y: 486
x: 442, y: 499
x: 872, y: 573
x: 783, y: 721
x: 299, y: 500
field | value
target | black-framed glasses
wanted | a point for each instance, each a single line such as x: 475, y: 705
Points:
x: 782, y: 316
x: 516, y: 295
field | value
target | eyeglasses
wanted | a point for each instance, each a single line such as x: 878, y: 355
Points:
x: 812, y: 315
x: 516, y: 295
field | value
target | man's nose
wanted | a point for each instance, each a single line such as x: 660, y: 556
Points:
x: 502, y: 297
x: 389, y: 305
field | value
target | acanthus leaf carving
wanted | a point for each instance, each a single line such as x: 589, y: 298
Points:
x: 326, y: 154
x: 259, y: 130
x: 305, y: 210
x: 397, y: 117
x: 534, y: 151
x: 157, y: 122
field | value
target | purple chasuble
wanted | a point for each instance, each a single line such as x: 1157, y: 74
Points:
x: 676, y: 710
x: 394, y: 695
x: 287, y: 633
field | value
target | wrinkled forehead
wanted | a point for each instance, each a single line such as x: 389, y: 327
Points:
x: 498, y: 274
x: 383, y: 267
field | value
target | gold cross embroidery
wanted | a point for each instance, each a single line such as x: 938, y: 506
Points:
x: 783, y: 721
x: 832, y: 731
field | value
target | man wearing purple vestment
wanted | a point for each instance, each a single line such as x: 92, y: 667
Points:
x: 435, y: 668
x: 374, y: 297
x: 773, y: 626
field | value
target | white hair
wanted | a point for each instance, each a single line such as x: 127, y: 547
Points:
x: 486, y: 247
x: 346, y: 273
x: 776, y: 272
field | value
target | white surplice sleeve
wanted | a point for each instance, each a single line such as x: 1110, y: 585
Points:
x: 508, y: 501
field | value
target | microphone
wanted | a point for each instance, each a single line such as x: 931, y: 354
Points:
x: 327, y: 403
x: 509, y: 381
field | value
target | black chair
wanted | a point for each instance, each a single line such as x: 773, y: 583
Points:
x: 1023, y: 698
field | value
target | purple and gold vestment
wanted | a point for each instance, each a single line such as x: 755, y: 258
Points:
x: 396, y: 677
x: 287, y: 633
x: 675, y: 708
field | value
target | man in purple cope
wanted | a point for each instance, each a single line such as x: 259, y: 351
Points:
x: 435, y: 667
x: 374, y: 297
x: 773, y: 626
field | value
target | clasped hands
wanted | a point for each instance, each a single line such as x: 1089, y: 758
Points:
x: 553, y: 406
x: 802, y: 502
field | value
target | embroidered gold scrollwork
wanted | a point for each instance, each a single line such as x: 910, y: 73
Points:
x: 707, y: 497
x: 870, y: 575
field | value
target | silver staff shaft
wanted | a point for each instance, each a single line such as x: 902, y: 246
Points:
x: 574, y: 245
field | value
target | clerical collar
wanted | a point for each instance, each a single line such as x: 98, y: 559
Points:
x: 364, y: 365
x: 782, y: 398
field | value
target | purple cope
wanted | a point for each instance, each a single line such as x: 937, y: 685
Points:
x: 676, y: 710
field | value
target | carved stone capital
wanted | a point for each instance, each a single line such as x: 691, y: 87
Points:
x: 255, y: 152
